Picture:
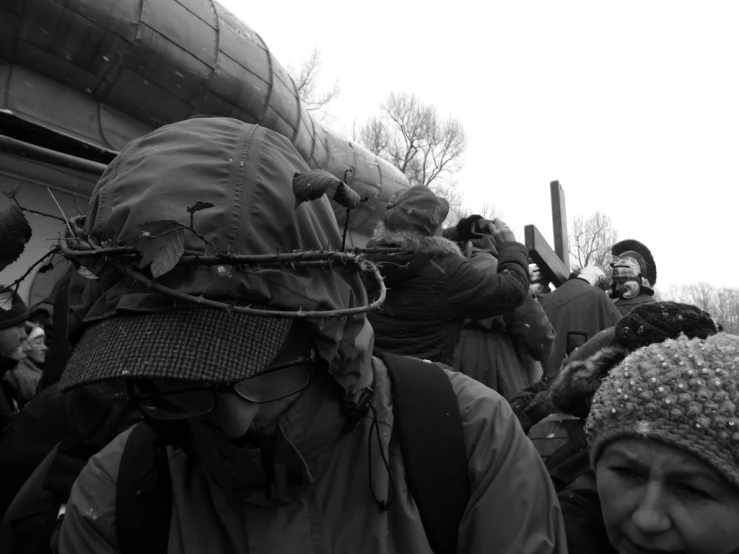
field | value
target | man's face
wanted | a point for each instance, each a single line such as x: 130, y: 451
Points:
x: 12, y: 338
x: 228, y: 409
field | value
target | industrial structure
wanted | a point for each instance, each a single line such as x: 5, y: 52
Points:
x: 79, y: 79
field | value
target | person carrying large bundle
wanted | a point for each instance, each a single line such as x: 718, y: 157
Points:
x: 269, y: 425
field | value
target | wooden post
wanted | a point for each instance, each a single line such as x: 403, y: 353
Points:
x: 542, y: 255
x: 559, y: 219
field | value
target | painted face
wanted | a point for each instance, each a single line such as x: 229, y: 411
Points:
x: 625, y: 287
x: 659, y: 499
x: 11, y: 339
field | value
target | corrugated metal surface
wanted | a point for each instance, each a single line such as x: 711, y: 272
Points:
x: 131, y: 65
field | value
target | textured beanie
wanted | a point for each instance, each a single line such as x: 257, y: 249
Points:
x: 416, y: 209
x: 12, y: 308
x: 657, y: 321
x: 682, y: 392
x: 646, y: 324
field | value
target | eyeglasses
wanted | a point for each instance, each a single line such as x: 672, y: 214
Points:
x: 275, y: 383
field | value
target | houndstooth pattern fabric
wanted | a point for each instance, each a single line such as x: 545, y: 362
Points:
x: 193, y: 344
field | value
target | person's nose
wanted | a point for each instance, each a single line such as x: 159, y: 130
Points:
x: 651, y: 516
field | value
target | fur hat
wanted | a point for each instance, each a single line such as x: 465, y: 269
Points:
x: 417, y: 210
x: 646, y: 324
x: 683, y: 392
x: 13, y: 310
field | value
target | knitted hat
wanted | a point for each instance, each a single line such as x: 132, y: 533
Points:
x: 416, y: 209
x: 646, y: 324
x: 12, y: 308
x: 656, y: 321
x: 683, y: 392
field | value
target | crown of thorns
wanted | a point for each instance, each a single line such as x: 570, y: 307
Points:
x: 159, y: 246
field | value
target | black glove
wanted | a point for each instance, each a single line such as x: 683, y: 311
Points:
x: 466, y: 228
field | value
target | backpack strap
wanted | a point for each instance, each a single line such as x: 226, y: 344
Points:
x: 430, y: 430
x: 143, y: 495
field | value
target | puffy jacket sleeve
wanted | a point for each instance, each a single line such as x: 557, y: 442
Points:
x: 476, y: 293
x: 89, y: 522
x: 513, y: 508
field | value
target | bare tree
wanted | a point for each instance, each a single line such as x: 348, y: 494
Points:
x: 591, y: 240
x: 721, y: 303
x: 488, y: 210
x: 306, y: 80
x: 413, y: 137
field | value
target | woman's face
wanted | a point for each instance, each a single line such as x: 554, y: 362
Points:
x: 37, y: 349
x: 657, y: 498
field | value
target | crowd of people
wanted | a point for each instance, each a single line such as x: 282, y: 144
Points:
x: 231, y: 380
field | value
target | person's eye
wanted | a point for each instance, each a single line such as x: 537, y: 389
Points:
x: 693, y: 491
x: 626, y: 472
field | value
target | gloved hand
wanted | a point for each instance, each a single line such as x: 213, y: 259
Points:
x: 466, y: 228
x: 501, y: 232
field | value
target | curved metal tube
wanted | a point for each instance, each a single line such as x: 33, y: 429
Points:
x: 158, y: 61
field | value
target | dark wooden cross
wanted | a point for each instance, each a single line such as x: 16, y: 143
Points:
x: 554, y: 264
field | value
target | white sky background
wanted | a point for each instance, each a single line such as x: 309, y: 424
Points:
x: 632, y: 106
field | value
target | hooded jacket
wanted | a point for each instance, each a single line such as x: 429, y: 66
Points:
x: 315, y: 490
x: 433, y: 288
x: 327, y: 483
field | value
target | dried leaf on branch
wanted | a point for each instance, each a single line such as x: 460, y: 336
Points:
x: 161, y: 243
x: 317, y: 182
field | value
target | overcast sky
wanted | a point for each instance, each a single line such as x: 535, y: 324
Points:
x: 632, y: 106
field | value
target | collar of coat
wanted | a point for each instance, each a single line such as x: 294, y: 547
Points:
x: 409, y: 241
x: 577, y: 382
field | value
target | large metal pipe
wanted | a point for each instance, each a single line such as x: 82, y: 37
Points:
x: 40, y: 154
x: 145, y: 63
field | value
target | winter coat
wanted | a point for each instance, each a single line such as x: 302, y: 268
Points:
x: 625, y: 305
x: 576, y: 307
x: 321, y: 500
x: 433, y: 288
x: 23, y: 379
x: 586, y: 531
x: 504, y: 352
x: 7, y: 405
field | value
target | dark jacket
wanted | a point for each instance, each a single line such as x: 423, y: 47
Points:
x: 576, y: 310
x: 7, y: 406
x: 433, y: 288
x: 505, y: 352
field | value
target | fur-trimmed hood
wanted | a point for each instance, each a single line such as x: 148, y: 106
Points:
x: 416, y: 251
x: 412, y: 242
x: 573, y: 388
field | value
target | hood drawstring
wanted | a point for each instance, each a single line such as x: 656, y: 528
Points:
x: 383, y: 504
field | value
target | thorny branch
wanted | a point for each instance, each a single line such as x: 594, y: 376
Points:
x: 15, y: 284
x: 308, y: 314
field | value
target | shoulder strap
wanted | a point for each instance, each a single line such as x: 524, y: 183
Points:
x: 143, y: 495
x: 430, y: 428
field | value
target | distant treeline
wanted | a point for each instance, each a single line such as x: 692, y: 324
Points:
x: 722, y: 303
